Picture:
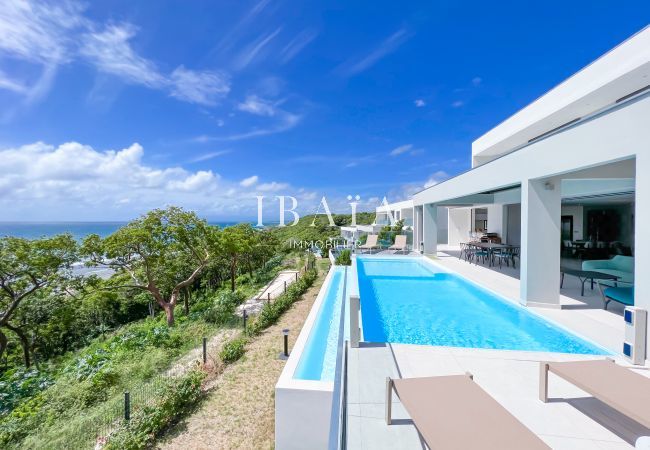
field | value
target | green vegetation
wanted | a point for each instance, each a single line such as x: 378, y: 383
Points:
x: 343, y: 259
x: 173, y: 402
x: 70, y: 346
x: 316, y: 229
x: 388, y: 233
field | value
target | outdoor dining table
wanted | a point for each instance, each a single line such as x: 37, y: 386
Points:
x: 490, y: 247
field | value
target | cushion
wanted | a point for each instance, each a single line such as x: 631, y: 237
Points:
x: 624, y: 295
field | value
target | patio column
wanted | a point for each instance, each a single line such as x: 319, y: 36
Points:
x: 641, y: 236
x: 541, y: 205
x: 430, y: 228
x: 417, y: 227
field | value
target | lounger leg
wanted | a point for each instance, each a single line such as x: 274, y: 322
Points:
x: 389, y: 399
x: 543, y: 381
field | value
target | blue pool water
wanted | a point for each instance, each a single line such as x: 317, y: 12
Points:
x: 410, y: 302
x: 318, y: 359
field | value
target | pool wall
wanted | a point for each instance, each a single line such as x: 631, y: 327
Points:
x: 303, y: 407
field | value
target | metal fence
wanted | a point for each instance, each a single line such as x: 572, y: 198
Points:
x: 100, y: 422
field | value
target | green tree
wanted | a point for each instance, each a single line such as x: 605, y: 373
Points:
x: 161, y: 253
x: 27, y: 267
x: 235, y: 243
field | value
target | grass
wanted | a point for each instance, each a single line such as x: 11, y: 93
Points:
x: 87, y: 395
x: 239, y: 409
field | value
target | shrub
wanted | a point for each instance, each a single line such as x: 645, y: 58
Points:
x: 223, y: 307
x: 233, y: 350
x: 20, y: 384
x: 343, y: 259
x: 146, y: 424
x: 270, y: 313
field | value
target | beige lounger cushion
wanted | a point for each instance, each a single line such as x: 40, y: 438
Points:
x: 453, y: 412
x: 622, y: 389
x: 371, y: 242
x: 400, y: 242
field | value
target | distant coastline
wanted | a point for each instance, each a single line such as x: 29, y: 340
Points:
x: 79, y: 230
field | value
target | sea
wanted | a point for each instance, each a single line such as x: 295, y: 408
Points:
x: 79, y: 230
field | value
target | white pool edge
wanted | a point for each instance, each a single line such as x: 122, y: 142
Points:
x: 303, y: 407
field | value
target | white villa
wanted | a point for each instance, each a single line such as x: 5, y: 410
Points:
x: 566, y: 182
x: 585, y: 143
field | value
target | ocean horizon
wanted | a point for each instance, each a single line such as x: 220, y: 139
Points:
x: 79, y: 230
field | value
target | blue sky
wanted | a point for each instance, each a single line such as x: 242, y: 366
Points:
x: 108, y: 109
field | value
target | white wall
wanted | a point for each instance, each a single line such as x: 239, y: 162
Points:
x: 495, y: 218
x: 576, y: 212
x: 641, y: 236
x: 460, y: 225
x: 513, y: 228
x: 540, y: 243
x: 443, y: 225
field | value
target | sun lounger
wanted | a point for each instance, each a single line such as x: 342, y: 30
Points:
x: 371, y: 243
x: 400, y: 243
x: 620, y: 388
x: 453, y: 412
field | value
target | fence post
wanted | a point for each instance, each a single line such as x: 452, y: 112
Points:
x: 268, y: 298
x: 245, y: 316
x: 127, y: 406
x: 354, y: 321
x: 296, y: 276
x: 285, y: 285
x: 205, y: 350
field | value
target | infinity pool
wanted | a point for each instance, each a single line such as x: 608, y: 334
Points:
x: 412, y: 302
x: 318, y: 360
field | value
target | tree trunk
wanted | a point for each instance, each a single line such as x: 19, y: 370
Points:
x: 3, y: 343
x: 169, y: 312
x: 24, y: 342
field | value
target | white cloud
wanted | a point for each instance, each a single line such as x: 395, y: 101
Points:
x: 297, y: 44
x: 254, y: 49
x: 408, y: 148
x: 457, y: 104
x: 209, y: 155
x: 255, y: 105
x: 476, y: 81
x: 436, y: 178
x: 202, y: 87
x: 420, y: 103
x: 41, y: 33
x: 250, y: 181
x: 72, y: 180
x: 272, y: 187
x: 199, y: 180
x: 111, y: 52
x: 285, y: 122
x: 37, y: 31
x: 389, y: 45
x: 401, y: 149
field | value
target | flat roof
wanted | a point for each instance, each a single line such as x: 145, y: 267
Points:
x: 395, y: 206
x: 623, y: 70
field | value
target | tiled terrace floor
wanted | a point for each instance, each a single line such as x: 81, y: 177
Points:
x: 572, y: 420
